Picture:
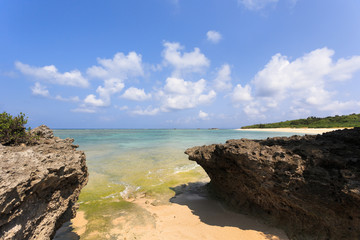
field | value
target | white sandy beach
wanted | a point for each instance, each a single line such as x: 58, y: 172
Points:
x: 293, y: 130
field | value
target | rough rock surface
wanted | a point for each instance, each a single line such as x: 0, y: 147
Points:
x: 309, y: 186
x: 43, y: 131
x: 39, y: 186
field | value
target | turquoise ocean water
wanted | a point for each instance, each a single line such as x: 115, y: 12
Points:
x: 124, y: 164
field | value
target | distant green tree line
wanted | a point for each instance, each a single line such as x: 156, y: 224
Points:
x: 352, y: 120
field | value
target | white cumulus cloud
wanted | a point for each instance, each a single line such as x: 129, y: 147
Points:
x: 187, y: 62
x: 40, y: 90
x: 92, y: 101
x: 136, y: 94
x: 280, y: 75
x: 51, y: 74
x: 120, y: 66
x: 302, y: 83
x: 343, y: 69
x: 241, y: 94
x: 223, y: 78
x: 180, y: 94
x: 113, y: 72
x: 305, y: 78
x: 203, y: 115
x: 213, y: 36
x: 255, y: 110
x: 111, y: 86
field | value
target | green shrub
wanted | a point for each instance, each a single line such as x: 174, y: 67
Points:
x: 12, y: 129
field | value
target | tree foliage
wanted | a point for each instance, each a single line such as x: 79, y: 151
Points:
x: 12, y: 129
x: 352, y: 120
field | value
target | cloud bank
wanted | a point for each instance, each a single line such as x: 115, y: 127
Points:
x: 301, y: 86
x: 50, y: 74
x: 302, y: 83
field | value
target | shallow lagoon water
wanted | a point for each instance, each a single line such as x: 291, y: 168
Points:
x: 124, y: 164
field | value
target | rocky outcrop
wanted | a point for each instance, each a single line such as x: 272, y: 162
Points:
x: 39, y: 186
x: 309, y: 186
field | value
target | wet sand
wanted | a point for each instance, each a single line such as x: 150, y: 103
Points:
x: 293, y: 130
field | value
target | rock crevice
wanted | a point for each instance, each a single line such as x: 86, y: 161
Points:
x: 309, y: 185
x: 39, y: 186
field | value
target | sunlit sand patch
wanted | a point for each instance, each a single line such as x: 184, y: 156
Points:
x: 79, y: 223
x: 177, y: 221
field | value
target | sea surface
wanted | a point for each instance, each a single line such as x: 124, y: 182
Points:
x: 125, y: 164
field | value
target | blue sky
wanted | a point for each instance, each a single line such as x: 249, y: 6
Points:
x: 178, y: 63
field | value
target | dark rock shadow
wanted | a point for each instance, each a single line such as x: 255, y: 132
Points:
x: 66, y: 233
x: 198, y: 198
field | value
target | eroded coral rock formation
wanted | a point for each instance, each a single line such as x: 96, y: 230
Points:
x: 309, y: 185
x: 39, y: 186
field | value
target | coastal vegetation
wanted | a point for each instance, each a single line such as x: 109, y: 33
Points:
x: 12, y: 129
x: 352, y: 120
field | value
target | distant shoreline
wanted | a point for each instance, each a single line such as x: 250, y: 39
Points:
x: 292, y: 130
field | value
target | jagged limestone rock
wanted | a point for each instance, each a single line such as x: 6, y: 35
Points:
x: 309, y: 185
x: 39, y: 186
x: 43, y: 131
